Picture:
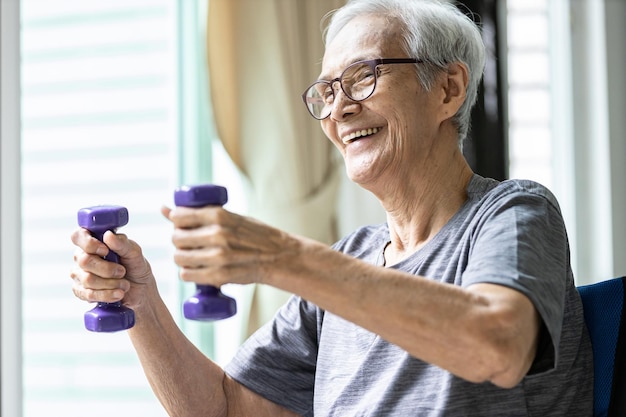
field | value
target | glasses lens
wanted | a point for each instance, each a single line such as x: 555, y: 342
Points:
x: 319, y: 99
x: 358, y: 81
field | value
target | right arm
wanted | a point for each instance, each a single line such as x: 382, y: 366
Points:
x: 186, y: 382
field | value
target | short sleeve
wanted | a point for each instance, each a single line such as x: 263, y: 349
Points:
x: 522, y: 243
x: 278, y: 362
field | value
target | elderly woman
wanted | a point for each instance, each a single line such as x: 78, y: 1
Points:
x: 462, y: 303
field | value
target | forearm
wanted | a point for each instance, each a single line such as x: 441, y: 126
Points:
x: 186, y: 382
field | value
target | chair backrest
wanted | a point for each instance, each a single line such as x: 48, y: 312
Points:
x: 605, y: 315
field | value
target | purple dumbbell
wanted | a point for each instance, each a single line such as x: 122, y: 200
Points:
x: 208, y: 303
x: 106, y: 317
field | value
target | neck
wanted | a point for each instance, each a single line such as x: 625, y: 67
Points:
x: 418, y: 207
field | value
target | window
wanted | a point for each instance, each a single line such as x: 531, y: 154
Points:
x: 100, y: 125
x: 530, y: 150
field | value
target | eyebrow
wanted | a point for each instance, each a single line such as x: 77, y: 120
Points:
x: 361, y: 58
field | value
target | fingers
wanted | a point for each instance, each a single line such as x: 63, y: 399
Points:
x: 96, y: 265
x: 89, y: 286
x: 118, y: 243
x: 213, y: 276
x: 214, y: 227
x: 216, y: 276
x: 215, y: 246
x: 92, y: 288
x: 194, y: 217
x: 165, y: 211
x: 201, y: 257
x: 214, y: 236
x: 83, y: 239
x: 96, y: 279
x: 204, y: 265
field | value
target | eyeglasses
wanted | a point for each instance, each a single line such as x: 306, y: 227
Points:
x: 357, y: 81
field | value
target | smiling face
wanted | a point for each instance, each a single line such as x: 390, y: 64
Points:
x: 387, y: 136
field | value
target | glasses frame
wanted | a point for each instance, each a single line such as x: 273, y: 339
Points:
x: 372, y: 63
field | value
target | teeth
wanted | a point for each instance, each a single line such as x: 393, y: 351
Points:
x: 359, y: 134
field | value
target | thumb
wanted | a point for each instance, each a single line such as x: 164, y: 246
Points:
x: 118, y: 243
x: 130, y: 254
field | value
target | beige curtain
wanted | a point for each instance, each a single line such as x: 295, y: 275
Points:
x: 261, y: 55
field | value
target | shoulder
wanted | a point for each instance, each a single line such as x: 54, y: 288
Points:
x: 489, y: 191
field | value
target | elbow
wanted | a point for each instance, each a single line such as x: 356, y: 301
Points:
x: 505, y: 338
x: 510, y: 375
x: 507, y: 351
x: 508, y: 360
x: 500, y: 367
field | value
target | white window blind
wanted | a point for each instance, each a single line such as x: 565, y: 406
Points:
x: 530, y: 139
x: 100, y: 126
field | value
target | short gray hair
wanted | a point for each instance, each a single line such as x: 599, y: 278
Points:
x: 434, y: 30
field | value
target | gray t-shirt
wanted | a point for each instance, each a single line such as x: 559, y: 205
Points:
x: 510, y: 233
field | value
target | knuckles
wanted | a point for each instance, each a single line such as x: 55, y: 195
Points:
x: 87, y: 289
x: 200, y: 217
x: 202, y: 238
x: 207, y: 257
x: 83, y: 259
x: 90, y: 281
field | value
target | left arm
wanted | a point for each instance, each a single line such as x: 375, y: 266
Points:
x: 481, y: 333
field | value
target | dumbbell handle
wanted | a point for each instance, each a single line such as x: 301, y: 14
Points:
x: 208, y: 303
x: 106, y: 317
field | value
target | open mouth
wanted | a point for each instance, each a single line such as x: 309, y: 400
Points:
x: 360, y: 134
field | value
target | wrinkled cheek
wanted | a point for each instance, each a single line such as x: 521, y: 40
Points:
x: 397, y: 141
x: 399, y: 148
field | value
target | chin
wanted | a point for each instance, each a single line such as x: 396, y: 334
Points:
x: 361, y: 178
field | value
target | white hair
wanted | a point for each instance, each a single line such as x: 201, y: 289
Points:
x: 433, y: 30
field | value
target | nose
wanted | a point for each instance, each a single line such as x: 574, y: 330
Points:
x: 343, y: 106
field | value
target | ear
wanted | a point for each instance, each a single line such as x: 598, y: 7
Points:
x: 454, y: 88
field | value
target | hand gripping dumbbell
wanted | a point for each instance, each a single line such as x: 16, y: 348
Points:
x: 208, y: 303
x: 106, y: 317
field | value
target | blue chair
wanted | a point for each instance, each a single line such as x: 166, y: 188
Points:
x: 605, y: 315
